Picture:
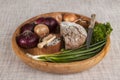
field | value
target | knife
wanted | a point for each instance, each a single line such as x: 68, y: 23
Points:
x: 90, y: 30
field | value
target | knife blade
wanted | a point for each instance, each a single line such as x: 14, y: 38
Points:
x: 90, y: 30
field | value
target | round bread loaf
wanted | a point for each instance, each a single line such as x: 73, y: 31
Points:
x: 74, y: 34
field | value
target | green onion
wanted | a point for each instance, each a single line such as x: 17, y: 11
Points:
x: 74, y: 55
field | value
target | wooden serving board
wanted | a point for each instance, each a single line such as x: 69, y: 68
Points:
x: 62, y: 68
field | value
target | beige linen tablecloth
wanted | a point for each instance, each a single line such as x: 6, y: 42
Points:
x: 14, y: 12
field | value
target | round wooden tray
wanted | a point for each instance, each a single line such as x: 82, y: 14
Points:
x: 62, y: 68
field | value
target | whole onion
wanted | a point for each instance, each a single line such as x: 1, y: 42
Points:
x: 28, y: 27
x: 27, y: 39
x: 51, y: 23
x: 40, y: 20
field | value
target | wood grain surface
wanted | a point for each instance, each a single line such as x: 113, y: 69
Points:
x: 15, y: 12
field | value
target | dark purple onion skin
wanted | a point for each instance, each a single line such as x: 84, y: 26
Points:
x: 50, y: 22
x: 29, y: 26
x: 40, y: 20
x: 27, y: 40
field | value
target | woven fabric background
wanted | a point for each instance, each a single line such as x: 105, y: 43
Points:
x: 14, y: 12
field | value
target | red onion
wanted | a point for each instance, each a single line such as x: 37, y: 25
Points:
x: 51, y: 23
x: 27, y: 39
x: 28, y: 27
x: 40, y: 20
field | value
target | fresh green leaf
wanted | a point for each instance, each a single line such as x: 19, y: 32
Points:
x: 101, y: 31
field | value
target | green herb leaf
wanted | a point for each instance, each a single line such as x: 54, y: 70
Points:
x: 101, y: 31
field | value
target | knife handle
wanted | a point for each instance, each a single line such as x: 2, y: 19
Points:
x: 90, y: 31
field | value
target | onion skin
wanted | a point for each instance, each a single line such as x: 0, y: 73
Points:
x: 27, y: 40
x: 40, y: 20
x: 57, y: 16
x: 27, y: 27
x: 69, y: 17
x: 52, y: 24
